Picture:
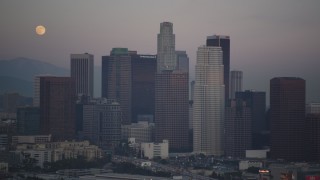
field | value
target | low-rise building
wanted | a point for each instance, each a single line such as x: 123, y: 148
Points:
x: 243, y: 165
x: 31, y: 139
x: 142, y: 131
x: 152, y: 150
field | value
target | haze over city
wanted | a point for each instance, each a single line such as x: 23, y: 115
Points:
x: 268, y: 38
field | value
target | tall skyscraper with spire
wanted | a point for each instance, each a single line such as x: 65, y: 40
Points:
x: 171, y: 94
x: 166, y: 54
x: 82, y: 73
x: 208, y: 103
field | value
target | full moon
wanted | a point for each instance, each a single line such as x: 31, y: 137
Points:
x: 40, y: 30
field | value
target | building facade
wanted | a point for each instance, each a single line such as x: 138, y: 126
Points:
x: 236, y: 78
x: 223, y: 42
x: 166, y: 54
x: 237, y: 129
x: 171, y: 109
x: 208, y: 103
x: 182, y: 61
x: 152, y: 150
x: 102, y: 123
x: 117, y: 80
x: 143, y: 131
x: 287, y: 108
x: 143, y: 68
x: 57, y: 107
x: 312, y: 138
x: 82, y: 73
x: 28, y: 120
x: 256, y: 101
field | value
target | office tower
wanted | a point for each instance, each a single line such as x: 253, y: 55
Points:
x: 28, y: 120
x: 102, y: 123
x: 143, y: 68
x: 237, y: 129
x: 182, y: 61
x: 208, y: 103
x: 117, y: 80
x: 81, y: 101
x: 166, y: 55
x: 287, y: 106
x: 171, y: 93
x: 171, y: 109
x: 224, y: 43
x: 57, y: 107
x: 256, y: 101
x: 235, y: 83
x: 82, y: 73
x: 312, y: 138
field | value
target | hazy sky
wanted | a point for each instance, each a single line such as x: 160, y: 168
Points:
x: 269, y: 38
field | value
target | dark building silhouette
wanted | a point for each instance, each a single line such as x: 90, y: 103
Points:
x: 224, y: 43
x: 28, y: 120
x: 312, y: 138
x: 117, y: 80
x: 171, y: 109
x: 143, y: 68
x: 287, y: 113
x: 256, y: 101
x: 57, y: 107
x: 238, y: 129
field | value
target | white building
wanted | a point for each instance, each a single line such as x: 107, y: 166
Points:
x: 40, y: 155
x: 166, y: 54
x: 152, y: 150
x: 243, y: 165
x: 141, y: 131
x: 82, y: 73
x: 31, y: 139
x: 208, y: 104
x: 236, y: 78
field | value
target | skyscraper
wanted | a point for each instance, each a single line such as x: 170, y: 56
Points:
x: 256, y: 101
x: 117, y: 80
x: 143, y: 68
x: 224, y: 43
x: 208, y: 103
x: 235, y: 83
x: 166, y: 54
x: 102, y: 123
x: 287, y: 107
x: 171, y: 110
x: 171, y: 93
x: 57, y: 107
x: 238, y: 129
x: 82, y: 73
x: 182, y: 61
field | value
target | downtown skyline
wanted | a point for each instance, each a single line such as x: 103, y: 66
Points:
x: 263, y: 35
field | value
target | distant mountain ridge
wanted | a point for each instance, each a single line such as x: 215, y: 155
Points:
x: 16, y: 75
x: 26, y: 69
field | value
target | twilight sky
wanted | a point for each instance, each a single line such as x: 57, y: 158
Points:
x: 269, y: 38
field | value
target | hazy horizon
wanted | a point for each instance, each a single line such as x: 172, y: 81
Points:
x: 268, y: 38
